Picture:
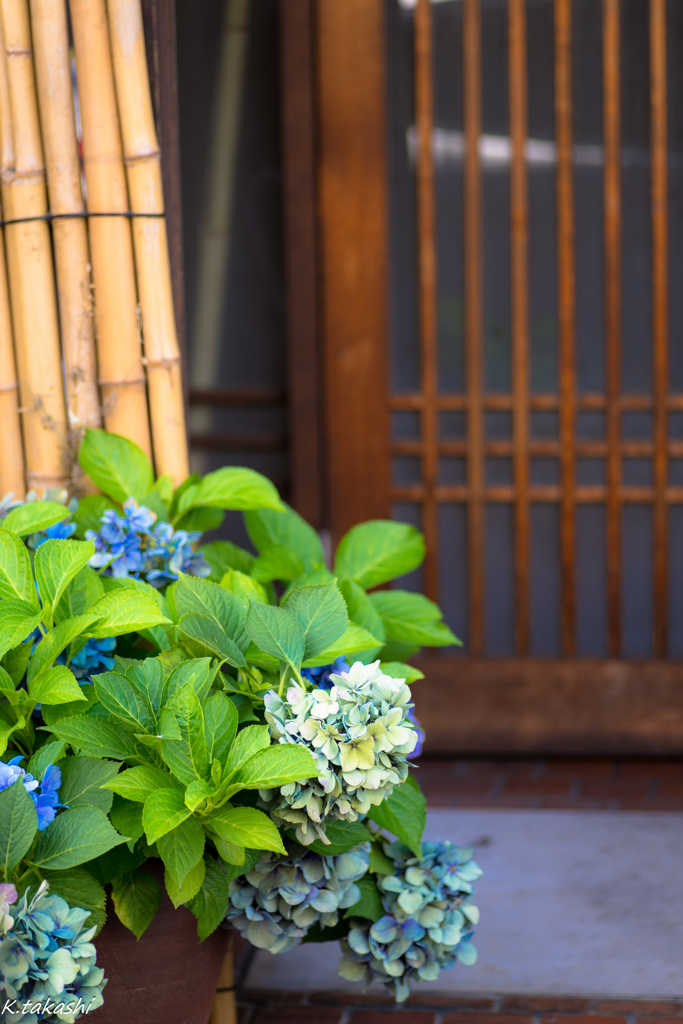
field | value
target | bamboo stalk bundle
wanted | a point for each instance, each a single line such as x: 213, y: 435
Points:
x: 122, y: 379
x: 11, y: 453
x: 143, y: 169
x: 224, y: 1009
x: 29, y: 257
x: 70, y: 235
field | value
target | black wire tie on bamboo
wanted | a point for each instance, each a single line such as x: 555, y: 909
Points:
x: 72, y: 216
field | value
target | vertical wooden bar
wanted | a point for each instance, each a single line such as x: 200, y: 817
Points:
x: 473, y: 320
x: 352, y: 188
x: 612, y: 256
x: 303, y: 355
x: 519, y: 273
x: 566, y: 316
x: 424, y: 114
x: 660, y: 325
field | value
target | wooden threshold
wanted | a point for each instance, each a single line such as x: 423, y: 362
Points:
x: 529, y: 706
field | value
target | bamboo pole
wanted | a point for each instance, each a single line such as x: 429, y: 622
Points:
x: 29, y: 257
x: 224, y: 1009
x: 11, y: 451
x: 121, y: 373
x: 143, y: 170
x: 70, y: 235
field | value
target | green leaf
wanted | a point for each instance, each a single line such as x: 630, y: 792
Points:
x: 277, y: 563
x: 79, y: 889
x: 197, y: 671
x: 285, y: 529
x: 369, y: 905
x: 278, y: 632
x: 179, y: 894
x: 125, y: 610
x: 19, y: 619
x: 182, y: 848
x: 16, y: 578
x: 321, y: 612
x: 191, y: 594
x: 82, y: 781
x: 196, y: 793
x: 148, y: 677
x: 74, y: 837
x: 18, y: 826
x: 188, y: 758
x: 15, y: 662
x: 244, y: 587
x: 56, y: 563
x: 140, y: 782
x: 343, y: 836
x: 116, y: 465
x: 245, y: 826
x: 124, y: 700
x: 223, y: 555
x: 126, y: 817
x: 53, y: 713
x: 318, y: 934
x: 362, y: 611
x: 52, y: 645
x: 230, y: 487
x: 210, y: 905
x: 163, y: 810
x: 8, y: 726
x: 34, y: 516
x: 256, y: 657
x: 354, y: 638
x: 88, y: 515
x: 311, y: 578
x: 97, y: 737
x: 399, y: 670
x: 380, y: 864
x: 412, y: 619
x: 275, y: 766
x: 404, y: 814
x: 137, y: 897
x: 80, y: 595
x: 49, y: 753
x: 220, y: 726
x: 205, y: 634
x: 56, y: 686
x: 379, y: 550
x: 247, y: 743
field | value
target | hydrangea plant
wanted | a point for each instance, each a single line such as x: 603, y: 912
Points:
x: 244, y: 717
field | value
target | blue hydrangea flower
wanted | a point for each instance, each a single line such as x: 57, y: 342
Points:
x: 275, y: 903
x: 428, y: 922
x: 46, y: 801
x: 94, y: 657
x: 46, y: 958
x: 419, y: 731
x: 60, y: 531
x: 321, y: 676
x: 170, y: 552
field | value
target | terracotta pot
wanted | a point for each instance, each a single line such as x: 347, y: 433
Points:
x: 168, y: 976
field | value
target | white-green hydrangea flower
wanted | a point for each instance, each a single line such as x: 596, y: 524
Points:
x: 275, y: 903
x: 360, y: 735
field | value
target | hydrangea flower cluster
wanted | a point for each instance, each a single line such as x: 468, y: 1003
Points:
x: 46, y: 800
x: 360, y: 736
x: 130, y: 545
x: 428, y: 921
x: 47, y: 961
x: 95, y: 656
x: 275, y: 903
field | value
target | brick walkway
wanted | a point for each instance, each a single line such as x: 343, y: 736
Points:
x: 551, y: 783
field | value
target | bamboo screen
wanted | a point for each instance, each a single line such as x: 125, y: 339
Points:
x: 537, y: 385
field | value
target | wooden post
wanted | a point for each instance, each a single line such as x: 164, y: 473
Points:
x: 224, y: 1010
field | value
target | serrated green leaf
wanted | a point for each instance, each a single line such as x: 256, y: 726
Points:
x: 354, y: 638
x: 116, y: 465
x: 56, y: 686
x: 34, y: 516
x: 277, y: 632
x: 277, y: 563
x: 122, y: 699
x: 399, y: 670
x: 342, y: 835
x: 53, y: 713
x: 203, y: 635
x: 380, y: 864
x: 97, y: 737
x: 191, y: 594
x: 286, y: 528
x: 16, y: 578
x: 80, y: 595
x: 74, y: 837
x: 55, y: 565
x: 275, y: 766
x: 377, y: 551
x: 404, y: 814
x: 230, y: 487
x: 19, y: 619
x: 182, y: 848
x: 15, y: 662
x: 369, y: 905
x: 246, y: 826
x: 141, y: 781
x: 79, y: 889
x: 244, y: 587
x: 210, y: 905
x: 321, y: 612
x: 198, y: 671
x: 18, y: 826
x: 56, y: 641
x: 125, y: 611
x: 83, y: 779
x: 126, y: 817
x: 223, y: 555
x: 197, y: 792
x: 412, y: 619
x: 49, y: 753
x: 247, y: 743
x: 163, y: 810
x: 180, y: 894
x: 220, y: 726
x: 187, y: 758
x: 148, y: 677
x: 137, y: 897
x: 362, y: 612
